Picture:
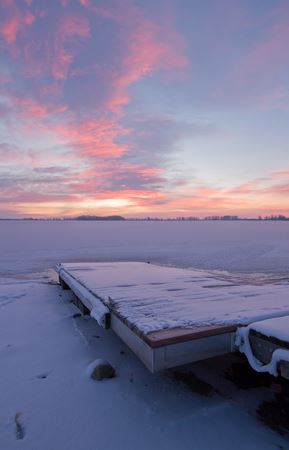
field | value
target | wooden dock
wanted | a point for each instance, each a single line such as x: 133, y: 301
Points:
x: 169, y: 316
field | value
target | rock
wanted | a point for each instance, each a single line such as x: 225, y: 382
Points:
x: 100, y: 369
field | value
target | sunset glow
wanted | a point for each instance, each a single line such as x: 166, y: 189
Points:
x: 144, y: 108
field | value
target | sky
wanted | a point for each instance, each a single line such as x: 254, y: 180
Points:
x: 144, y: 108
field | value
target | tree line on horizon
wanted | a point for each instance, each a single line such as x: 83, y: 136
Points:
x: 278, y: 217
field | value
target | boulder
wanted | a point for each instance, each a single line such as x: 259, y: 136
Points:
x: 100, y: 369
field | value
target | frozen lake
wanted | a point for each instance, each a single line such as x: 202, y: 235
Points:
x: 239, y: 246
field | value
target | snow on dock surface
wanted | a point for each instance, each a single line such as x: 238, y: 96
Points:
x: 277, y: 328
x: 151, y: 298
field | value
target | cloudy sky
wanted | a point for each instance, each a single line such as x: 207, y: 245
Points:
x: 144, y: 107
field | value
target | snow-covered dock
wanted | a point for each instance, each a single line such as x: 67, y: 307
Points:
x: 170, y: 316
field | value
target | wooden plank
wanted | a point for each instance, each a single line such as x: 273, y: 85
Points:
x: 133, y: 341
x: 194, y: 350
x: 169, y: 356
x: 173, y: 336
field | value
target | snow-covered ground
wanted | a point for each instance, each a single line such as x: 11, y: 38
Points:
x: 46, y: 399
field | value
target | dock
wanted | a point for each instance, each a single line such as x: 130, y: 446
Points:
x: 170, y: 316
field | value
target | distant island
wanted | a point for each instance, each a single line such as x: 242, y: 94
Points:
x: 97, y: 218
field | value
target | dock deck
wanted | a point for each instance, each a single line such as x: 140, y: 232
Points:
x: 170, y: 316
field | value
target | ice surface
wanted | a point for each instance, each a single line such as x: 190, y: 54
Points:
x: 232, y: 246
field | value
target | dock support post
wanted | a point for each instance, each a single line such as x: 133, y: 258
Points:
x: 64, y: 285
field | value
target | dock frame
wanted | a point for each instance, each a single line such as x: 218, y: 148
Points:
x: 158, y: 350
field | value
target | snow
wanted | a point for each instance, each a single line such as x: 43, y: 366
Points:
x: 277, y: 327
x: 151, y: 298
x: 46, y: 399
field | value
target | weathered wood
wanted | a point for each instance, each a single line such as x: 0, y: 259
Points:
x: 191, y: 351
x: 176, y: 335
x: 134, y: 342
x: 173, y: 355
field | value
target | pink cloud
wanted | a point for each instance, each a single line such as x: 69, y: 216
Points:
x: 14, y: 21
x: 69, y: 28
x: 126, y: 176
x: 84, y: 2
x: 281, y: 174
x: 278, y: 189
x: 244, y: 189
x: 94, y: 138
x: 31, y: 108
x: 54, y: 53
x: 87, y: 191
x: 150, y: 48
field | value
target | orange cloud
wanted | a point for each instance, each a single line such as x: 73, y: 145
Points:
x: 202, y: 201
